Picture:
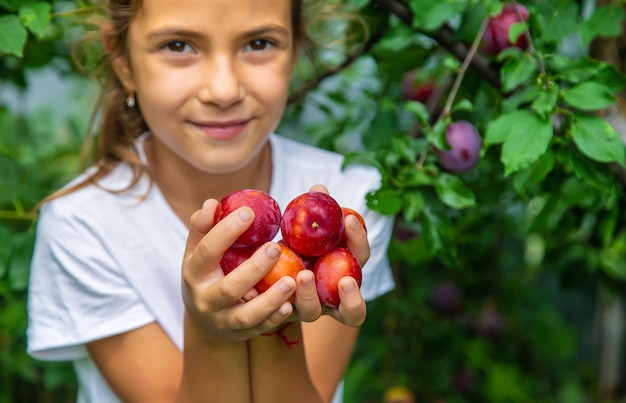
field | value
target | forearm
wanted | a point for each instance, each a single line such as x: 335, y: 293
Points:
x: 212, y: 370
x: 329, y: 346
x: 278, y: 370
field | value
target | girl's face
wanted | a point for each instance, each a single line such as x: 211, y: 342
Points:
x: 211, y: 76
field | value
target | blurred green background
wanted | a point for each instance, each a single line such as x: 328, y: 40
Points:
x: 510, y: 277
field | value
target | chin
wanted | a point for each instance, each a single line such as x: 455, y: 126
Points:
x: 222, y: 166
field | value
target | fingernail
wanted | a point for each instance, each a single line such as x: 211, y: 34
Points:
x: 349, y: 287
x: 284, y: 287
x: 285, y: 309
x: 308, y: 283
x: 272, y: 251
x: 354, y: 222
x: 206, y: 203
x: 244, y: 215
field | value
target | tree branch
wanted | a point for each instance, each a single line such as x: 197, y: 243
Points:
x: 445, y: 37
x: 303, y: 90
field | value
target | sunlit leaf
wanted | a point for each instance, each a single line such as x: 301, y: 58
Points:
x: 588, y: 96
x: 13, y: 35
x: 598, y: 140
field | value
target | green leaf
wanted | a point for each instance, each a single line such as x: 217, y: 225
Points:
x: 437, y: 134
x: 414, y: 203
x: 437, y: 233
x: 520, y: 97
x: 593, y: 172
x: 386, y: 202
x: 414, y: 177
x: 453, y: 192
x: 546, y: 100
x: 535, y: 174
x: 430, y: 15
x: 405, y: 148
x: 517, y: 70
x: 516, y: 30
x: 577, y: 193
x: 419, y: 110
x: 462, y: 105
x: 382, y: 127
x: 558, y: 19
x: 598, y: 140
x: 13, y: 36
x: 12, y: 5
x: 612, y: 258
x: 505, y: 384
x: 525, y: 137
x: 365, y: 158
x: 396, y: 39
x: 605, y: 21
x: 550, y: 214
x: 36, y: 17
x: 588, y: 96
x: 607, y: 227
x: 500, y: 128
x: 610, y: 76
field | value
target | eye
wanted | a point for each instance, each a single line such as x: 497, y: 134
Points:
x: 258, y: 45
x: 177, y: 46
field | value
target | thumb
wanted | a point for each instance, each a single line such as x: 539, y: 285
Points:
x: 200, y: 224
x: 319, y: 188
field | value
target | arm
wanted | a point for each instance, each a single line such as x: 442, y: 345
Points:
x: 278, y: 370
x: 328, y: 348
x: 213, y: 369
x: 330, y: 341
x: 217, y: 323
x: 142, y: 365
x: 315, y: 370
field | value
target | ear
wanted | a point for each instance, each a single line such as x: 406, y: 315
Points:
x: 116, y: 53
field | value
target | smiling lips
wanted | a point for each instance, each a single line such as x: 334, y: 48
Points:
x: 222, y: 130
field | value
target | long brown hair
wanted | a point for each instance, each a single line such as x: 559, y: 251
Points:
x: 120, y: 125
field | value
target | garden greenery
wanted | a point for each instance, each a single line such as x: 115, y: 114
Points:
x: 530, y: 244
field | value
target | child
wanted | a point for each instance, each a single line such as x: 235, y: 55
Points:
x: 196, y: 91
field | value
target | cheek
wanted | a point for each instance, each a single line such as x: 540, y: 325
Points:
x: 271, y: 84
x: 161, y: 89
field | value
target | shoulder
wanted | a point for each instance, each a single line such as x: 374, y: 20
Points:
x: 297, y: 156
x: 93, y: 203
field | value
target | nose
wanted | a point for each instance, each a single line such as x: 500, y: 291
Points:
x: 221, y: 83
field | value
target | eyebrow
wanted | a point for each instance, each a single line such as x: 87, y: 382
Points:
x: 270, y: 28
x: 263, y: 30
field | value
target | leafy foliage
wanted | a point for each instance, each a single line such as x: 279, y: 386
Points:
x: 532, y: 237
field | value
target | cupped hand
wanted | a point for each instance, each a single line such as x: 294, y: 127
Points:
x: 352, y: 309
x: 214, y: 301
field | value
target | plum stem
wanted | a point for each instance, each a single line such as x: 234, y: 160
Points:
x: 463, y: 69
x: 457, y: 84
x: 531, y: 45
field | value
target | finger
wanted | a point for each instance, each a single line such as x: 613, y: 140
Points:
x: 307, y: 302
x: 267, y: 310
x: 200, y: 223
x: 251, y: 293
x: 239, y: 283
x: 352, y: 309
x: 319, y: 188
x: 210, y: 248
x: 357, y: 239
x: 277, y: 318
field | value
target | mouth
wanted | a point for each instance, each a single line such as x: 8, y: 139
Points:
x: 222, y: 130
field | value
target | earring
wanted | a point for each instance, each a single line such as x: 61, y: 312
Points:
x: 130, y: 100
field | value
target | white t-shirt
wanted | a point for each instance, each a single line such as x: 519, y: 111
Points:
x: 108, y: 263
